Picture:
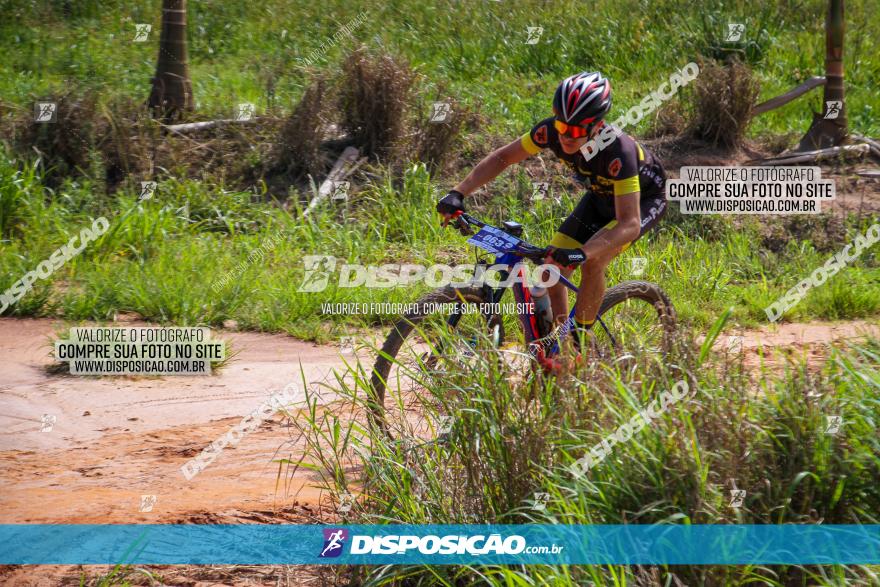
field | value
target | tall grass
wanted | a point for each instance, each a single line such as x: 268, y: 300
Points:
x: 515, y: 435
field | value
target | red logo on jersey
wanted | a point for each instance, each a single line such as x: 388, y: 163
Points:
x: 614, y: 167
x: 541, y: 135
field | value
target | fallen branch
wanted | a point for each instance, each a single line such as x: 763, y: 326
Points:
x: 344, y: 166
x: 774, y: 103
x: 814, y: 156
x: 875, y: 146
x: 195, y: 126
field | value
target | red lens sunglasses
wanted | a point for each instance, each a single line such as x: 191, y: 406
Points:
x: 570, y: 130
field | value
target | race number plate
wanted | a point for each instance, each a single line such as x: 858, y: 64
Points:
x: 494, y: 240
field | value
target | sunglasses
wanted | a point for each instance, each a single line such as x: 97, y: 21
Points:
x: 570, y: 130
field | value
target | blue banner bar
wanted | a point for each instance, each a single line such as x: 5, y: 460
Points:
x: 169, y: 544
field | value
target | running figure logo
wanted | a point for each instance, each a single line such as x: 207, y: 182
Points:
x: 440, y: 111
x: 45, y: 111
x: 245, y: 111
x: 539, y: 190
x: 333, y: 542
x: 317, y: 272
x: 734, y: 32
x: 147, y: 189
x: 833, y: 108
x: 638, y: 265
x: 142, y: 32
x: 533, y: 34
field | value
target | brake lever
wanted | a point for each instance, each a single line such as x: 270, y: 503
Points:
x: 463, y: 227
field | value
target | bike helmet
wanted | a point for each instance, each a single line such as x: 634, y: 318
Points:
x: 582, y: 99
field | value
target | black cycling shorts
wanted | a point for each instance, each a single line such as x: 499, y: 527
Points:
x: 590, y: 216
x: 595, y: 212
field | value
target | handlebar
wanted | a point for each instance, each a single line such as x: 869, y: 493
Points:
x: 533, y: 253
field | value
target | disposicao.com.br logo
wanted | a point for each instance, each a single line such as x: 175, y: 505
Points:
x: 334, y: 541
x: 450, y: 544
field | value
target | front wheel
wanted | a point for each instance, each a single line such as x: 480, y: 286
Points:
x: 420, y: 338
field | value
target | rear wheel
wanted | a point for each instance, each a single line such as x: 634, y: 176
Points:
x: 636, y: 320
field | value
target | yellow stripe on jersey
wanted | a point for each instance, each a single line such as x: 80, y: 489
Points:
x: 563, y: 241
x: 626, y: 186
x: 641, y: 153
x: 528, y: 144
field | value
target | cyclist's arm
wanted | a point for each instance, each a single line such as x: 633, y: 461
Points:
x: 492, y: 165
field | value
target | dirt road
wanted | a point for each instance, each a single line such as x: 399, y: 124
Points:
x: 117, y: 439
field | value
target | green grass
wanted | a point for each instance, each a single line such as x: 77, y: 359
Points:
x: 162, y: 257
x: 513, y: 436
x: 238, y: 50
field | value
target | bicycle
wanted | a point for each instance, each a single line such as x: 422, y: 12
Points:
x: 622, y: 335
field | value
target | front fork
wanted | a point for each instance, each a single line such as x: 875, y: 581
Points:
x: 491, y: 294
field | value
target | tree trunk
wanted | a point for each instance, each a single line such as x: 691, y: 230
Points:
x: 172, y: 90
x: 830, y: 131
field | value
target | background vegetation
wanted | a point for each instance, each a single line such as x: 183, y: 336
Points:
x: 246, y: 52
x: 221, y: 196
x: 226, y: 193
x: 162, y: 257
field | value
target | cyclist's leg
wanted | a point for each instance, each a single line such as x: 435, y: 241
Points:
x: 592, y: 287
x: 574, y: 231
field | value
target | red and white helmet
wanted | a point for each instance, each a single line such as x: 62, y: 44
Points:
x: 582, y: 99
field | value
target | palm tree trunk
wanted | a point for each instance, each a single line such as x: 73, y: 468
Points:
x: 826, y: 131
x: 172, y: 90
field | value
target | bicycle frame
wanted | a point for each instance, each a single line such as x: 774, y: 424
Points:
x: 512, y: 259
x: 523, y: 297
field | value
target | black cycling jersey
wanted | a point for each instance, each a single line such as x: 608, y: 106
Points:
x: 621, y: 167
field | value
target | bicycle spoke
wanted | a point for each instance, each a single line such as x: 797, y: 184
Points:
x: 630, y: 330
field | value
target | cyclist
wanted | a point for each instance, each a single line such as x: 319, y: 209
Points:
x: 625, y: 190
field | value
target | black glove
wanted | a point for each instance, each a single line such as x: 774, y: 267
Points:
x: 451, y: 203
x: 568, y: 257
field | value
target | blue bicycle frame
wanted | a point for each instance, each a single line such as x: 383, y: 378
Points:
x: 510, y: 252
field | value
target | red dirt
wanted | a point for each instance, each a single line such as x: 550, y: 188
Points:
x: 771, y: 347
x: 118, y: 438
